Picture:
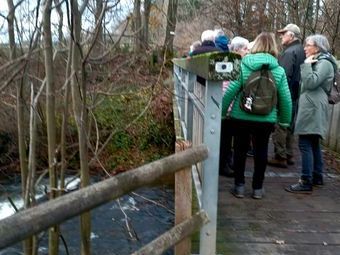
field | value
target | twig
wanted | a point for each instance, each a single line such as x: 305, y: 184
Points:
x: 154, y: 202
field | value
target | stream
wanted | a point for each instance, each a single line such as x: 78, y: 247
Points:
x: 120, y: 227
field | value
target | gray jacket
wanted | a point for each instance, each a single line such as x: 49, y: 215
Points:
x: 313, y: 109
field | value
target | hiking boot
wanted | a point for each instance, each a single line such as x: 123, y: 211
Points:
x: 227, y: 171
x: 317, y: 180
x: 237, y: 191
x: 258, y: 193
x: 278, y: 162
x: 303, y: 187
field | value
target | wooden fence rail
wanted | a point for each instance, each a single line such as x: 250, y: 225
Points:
x: 175, y: 235
x: 34, y: 220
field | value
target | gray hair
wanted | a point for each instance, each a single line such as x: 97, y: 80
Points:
x: 218, y: 32
x: 208, y: 35
x: 238, y: 43
x: 195, y: 45
x: 320, y: 41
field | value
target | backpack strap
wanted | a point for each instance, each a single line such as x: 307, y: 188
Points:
x: 328, y: 56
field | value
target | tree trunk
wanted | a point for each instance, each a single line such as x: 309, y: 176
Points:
x: 80, y: 116
x: 137, y: 25
x: 61, y: 21
x: 170, y: 27
x: 50, y: 119
x: 99, y: 40
x: 27, y: 244
x: 146, y: 16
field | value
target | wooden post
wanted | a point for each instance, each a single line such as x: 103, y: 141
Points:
x: 183, y: 199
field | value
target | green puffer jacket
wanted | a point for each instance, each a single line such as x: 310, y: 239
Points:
x: 249, y: 64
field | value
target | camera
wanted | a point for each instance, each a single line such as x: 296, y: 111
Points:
x: 223, y: 67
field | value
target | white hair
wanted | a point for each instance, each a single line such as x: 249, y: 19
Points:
x: 208, y: 35
x: 238, y: 43
x: 194, y: 45
x: 218, y: 32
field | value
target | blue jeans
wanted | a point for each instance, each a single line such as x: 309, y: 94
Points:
x: 311, y: 156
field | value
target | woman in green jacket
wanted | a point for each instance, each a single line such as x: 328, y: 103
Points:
x: 264, y: 52
x: 312, y: 120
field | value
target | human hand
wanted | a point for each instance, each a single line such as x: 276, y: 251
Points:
x: 311, y: 59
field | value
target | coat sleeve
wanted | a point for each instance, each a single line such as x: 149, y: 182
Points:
x: 284, y: 103
x: 229, y: 95
x: 313, y: 75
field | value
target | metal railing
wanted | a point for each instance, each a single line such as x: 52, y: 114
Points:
x: 198, y: 91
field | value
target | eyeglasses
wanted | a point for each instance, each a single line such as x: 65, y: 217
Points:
x: 309, y: 45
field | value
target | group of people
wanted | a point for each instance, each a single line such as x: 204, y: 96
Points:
x: 303, y: 75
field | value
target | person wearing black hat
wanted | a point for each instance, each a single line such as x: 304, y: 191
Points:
x: 290, y: 59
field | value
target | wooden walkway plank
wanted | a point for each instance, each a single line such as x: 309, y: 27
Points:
x: 282, y: 222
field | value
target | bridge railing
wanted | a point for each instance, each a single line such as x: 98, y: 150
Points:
x: 198, y: 95
x: 34, y: 220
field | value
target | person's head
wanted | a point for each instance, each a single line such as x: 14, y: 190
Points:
x: 265, y: 43
x: 195, y: 45
x: 208, y: 35
x: 289, y: 33
x: 218, y: 32
x: 239, y: 45
x: 315, y: 44
x: 221, y: 40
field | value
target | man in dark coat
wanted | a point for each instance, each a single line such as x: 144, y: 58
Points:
x: 290, y: 59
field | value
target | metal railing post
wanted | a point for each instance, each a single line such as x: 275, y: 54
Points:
x: 212, y: 127
x: 190, y: 81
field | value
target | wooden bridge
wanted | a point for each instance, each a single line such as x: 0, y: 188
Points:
x: 280, y: 223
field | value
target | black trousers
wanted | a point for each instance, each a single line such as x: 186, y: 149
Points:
x: 226, y: 153
x: 259, y: 132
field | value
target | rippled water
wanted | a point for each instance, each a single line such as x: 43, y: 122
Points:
x: 148, y: 212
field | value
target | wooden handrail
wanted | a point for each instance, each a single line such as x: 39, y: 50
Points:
x: 174, y: 235
x: 34, y: 220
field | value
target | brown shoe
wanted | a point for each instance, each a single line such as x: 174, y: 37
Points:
x: 278, y: 162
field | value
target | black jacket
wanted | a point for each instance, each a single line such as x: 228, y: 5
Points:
x: 207, y: 46
x: 290, y: 59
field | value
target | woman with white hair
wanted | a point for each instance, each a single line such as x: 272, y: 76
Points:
x: 239, y: 45
x: 208, y: 44
x: 312, y: 120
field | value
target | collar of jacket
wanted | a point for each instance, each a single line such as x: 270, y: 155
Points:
x: 295, y: 42
x: 208, y: 43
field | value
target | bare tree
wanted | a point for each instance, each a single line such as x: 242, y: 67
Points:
x: 27, y: 245
x: 50, y: 118
x: 137, y: 25
x: 170, y: 26
x: 146, y: 16
x: 78, y: 88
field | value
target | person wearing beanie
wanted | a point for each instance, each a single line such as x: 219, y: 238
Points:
x: 221, y: 40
